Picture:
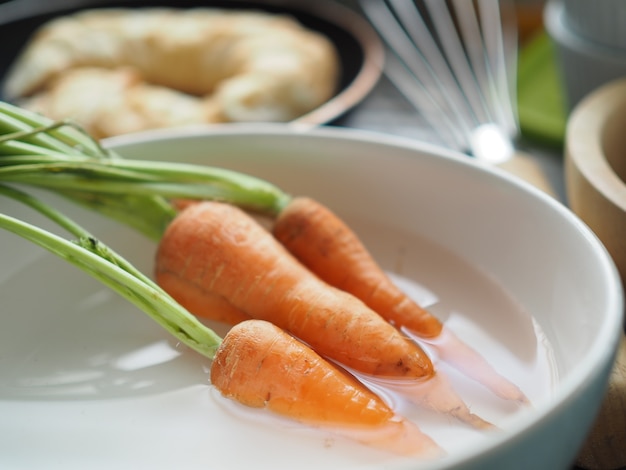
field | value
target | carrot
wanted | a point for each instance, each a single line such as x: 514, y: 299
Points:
x: 328, y: 247
x: 211, y: 306
x: 261, y: 366
x: 216, y: 249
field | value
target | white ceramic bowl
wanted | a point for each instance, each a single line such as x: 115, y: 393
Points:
x: 512, y: 271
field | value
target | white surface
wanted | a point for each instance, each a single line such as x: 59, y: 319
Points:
x: 86, y: 381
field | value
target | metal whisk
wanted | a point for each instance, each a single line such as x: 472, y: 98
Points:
x: 455, y: 61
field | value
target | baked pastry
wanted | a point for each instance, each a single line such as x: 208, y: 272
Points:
x: 192, y: 65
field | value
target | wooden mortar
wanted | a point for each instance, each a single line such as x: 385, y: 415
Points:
x: 595, y: 181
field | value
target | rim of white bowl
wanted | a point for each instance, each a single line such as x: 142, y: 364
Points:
x: 569, y: 387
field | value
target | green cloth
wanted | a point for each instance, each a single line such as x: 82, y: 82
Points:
x: 541, y: 105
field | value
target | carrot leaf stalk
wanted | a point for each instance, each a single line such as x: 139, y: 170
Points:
x: 60, y: 157
x: 110, y: 268
x: 17, y: 125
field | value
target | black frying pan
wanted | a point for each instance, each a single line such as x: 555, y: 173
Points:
x: 360, y: 50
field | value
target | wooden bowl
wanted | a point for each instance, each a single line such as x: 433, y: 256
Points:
x: 595, y: 166
x: 595, y: 180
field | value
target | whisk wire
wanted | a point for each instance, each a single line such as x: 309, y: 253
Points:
x: 474, y: 44
x: 416, y: 94
x: 501, y: 47
x: 407, y: 67
x: 457, y: 59
x: 447, y: 88
x: 453, y: 57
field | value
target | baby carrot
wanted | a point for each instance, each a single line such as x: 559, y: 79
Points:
x: 217, y: 248
x: 328, y: 247
x: 255, y: 353
x: 212, y: 306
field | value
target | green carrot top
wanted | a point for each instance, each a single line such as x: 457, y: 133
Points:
x: 60, y: 157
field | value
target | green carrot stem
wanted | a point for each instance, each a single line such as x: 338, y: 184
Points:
x: 149, y: 216
x: 74, y: 229
x: 61, y: 157
x: 44, y: 209
x: 112, y: 270
x: 21, y: 145
x: 12, y: 128
x: 146, y: 178
x: 16, y: 148
x: 46, y: 133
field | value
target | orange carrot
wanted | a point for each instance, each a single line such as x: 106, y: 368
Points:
x: 321, y: 241
x: 200, y: 301
x: 255, y: 353
x: 328, y: 247
x: 216, y: 249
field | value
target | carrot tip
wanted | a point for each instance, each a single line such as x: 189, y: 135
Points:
x: 452, y: 350
x: 399, y: 436
x: 435, y: 393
